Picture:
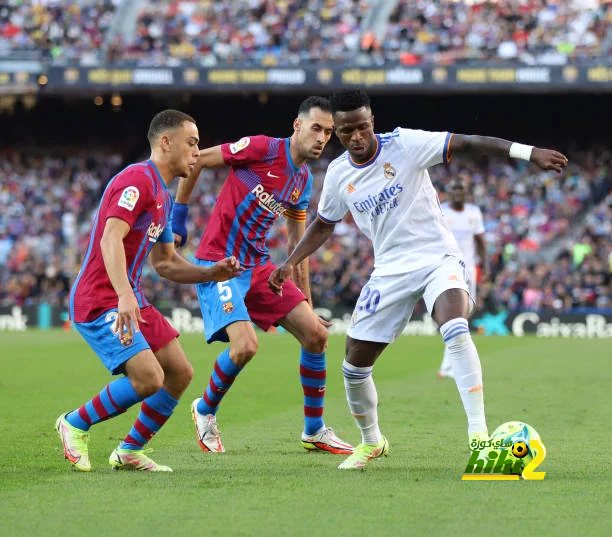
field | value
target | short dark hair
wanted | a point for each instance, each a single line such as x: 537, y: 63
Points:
x: 166, y: 120
x: 314, y: 101
x: 348, y: 100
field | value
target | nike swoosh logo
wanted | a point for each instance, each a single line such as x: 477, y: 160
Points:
x: 75, y: 458
x: 270, y: 174
x: 160, y: 205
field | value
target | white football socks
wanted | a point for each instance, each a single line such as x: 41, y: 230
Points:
x: 362, y: 399
x: 467, y: 369
x: 446, y: 364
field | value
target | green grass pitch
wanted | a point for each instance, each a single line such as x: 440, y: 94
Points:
x: 266, y: 484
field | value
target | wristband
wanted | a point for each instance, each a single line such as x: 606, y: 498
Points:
x: 180, y: 211
x: 520, y: 151
x: 179, y: 221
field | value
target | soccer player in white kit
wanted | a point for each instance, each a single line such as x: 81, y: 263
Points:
x: 466, y: 223
x: 382, y: 180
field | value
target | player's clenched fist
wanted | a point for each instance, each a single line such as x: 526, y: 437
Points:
x: 278, y: 278
x: 226, y: 269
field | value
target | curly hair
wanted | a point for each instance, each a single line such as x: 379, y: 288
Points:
x: 347, y: 100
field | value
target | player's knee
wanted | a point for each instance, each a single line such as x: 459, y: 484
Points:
x: 184, y: 375
x: 148, y: 383
x: 242, y: 352
x: 316, y: 341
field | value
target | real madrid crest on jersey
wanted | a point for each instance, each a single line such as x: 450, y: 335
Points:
x: 389, y: 171
x: 295, y: 195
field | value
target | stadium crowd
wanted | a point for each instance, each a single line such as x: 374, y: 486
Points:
x: 579, y: 277
x: 46, y: 206
x: 56, y: 31
x: 266, y: 32
x: 530, y: 31
x: 260, y: 31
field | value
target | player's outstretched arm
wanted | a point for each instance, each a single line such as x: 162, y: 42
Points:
x: 316, y: 234
x: 170, y: 265
x: 113, y: 253
x: 211, y: 157
x: 547, y: 159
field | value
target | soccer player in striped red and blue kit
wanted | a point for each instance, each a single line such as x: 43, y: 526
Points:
x: 268, y: 178
x: 110, y: 310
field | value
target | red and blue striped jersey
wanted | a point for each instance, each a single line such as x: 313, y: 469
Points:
x: 138, y: 196
x: 263, y: 184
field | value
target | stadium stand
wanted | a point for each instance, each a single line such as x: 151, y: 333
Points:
x: 532, y: 32
x: 265, y: 32
x: 60, y: 32
x: 45, y: 208
x: 579, y: 278
x: 260, y: 31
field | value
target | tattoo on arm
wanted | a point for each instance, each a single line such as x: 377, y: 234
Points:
x: 302, y: 280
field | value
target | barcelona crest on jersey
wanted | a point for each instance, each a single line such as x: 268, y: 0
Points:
x: 295, y: 195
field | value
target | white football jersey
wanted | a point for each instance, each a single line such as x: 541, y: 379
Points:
x: 393, y: 201
x: 464, y: 225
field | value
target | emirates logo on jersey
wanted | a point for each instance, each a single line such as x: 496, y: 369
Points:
x: 381, y: 202
x: 268, y: 201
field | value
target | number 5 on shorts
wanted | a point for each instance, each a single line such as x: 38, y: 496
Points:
x: 225, y: 291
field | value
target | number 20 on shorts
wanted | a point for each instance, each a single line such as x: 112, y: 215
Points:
x: 368, y: 300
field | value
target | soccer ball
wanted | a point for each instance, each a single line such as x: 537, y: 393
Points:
x: 520, y: 449
x: 519, y: 434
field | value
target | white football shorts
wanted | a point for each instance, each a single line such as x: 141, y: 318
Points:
x: 386, y: 303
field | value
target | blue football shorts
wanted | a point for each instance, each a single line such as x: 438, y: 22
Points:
x: 107, y: 345
x: 222, y: 303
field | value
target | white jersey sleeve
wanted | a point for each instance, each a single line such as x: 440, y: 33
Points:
x: 426, y: 148
x: 479, y: 228
x: 332, y: 207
